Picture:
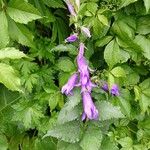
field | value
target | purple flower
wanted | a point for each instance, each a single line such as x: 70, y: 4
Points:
x: 114, y: 90
x: 86, y: 31
x: 90, y: 110
x: 70, y: 8
x: 71, y: 38
x: 105, y: 87
x: 67, y: 88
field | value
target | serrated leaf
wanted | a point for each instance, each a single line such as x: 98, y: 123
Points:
x: 65, y: 64
x: 65, y: 48
x: 144, y: 44
x: 147, y: 5
x: 20, y: 33
x: 118, y: 72
x: 108, y: 111
x: 68, y: 132
x: 111, y: 53
x: 9, y: 78
x: 22, y: 12
x: 92, y: 138
x: 71, y: 109
x: 67, y: 146
x: 11, y: 53
x: 4, y: 37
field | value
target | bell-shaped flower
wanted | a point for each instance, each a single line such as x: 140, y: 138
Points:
x: 86, y: 31
x: 114, y: 90
x: 71, y: 38
x: 89, y: 108
x: 70, y: 8
x: 68, y: 87
x: 105, y: 87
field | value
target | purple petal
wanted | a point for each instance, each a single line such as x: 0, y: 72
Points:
x: 86, y: 31
x: 70, y: 8
x: 115, y: 90
x: 105, y: 87
x: 72, y: 38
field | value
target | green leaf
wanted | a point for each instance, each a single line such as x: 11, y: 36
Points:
x: 124, y: 3
x: 4, y: 37
x: 7, y: 97
x: 92, y: 7
x: 65, y: 48
x: 71, y: 109
x: 108, y: 111
x: 9, y: 78
x: 54, y: 3
x: 67, y: 146
x: 118, y: 72
x: 65, y: 64
x: 147, y: 5
x: 92, y: 138
x: 112, y: 53
x: 3, y: 142
x: 126, y: 142
x: 144, y: 44
x: 11, y: 53
x: 68, y: 132
x: 20, y: 33
x: 22, y: 12
x: 103, y: 41
x: 103, y: 19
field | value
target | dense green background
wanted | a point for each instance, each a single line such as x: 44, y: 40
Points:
x: 35, y: 63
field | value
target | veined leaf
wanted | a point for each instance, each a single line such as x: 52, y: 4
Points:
x: 92, y: 138
x: 126, y: 2
x: 20, y: 33
x: 68, y: 132
x: 4, y: 37
x: 54, y: 3
x: 11, y: 53
x: 9, y: 78
x: 118, y: 72
x: 22, y: 12
x: 108, y: 111
x: 3, y: 142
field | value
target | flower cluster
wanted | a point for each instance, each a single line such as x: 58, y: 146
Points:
x: 82, y: 79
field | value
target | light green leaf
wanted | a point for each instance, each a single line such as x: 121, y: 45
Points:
x: 4, y: 37
x: 147, y: 5
x: 3, y: 142
x: 65, y: 64
x: 68, y: 132
x: 103, y: 41
x: 112, y: 53
x: 103, y: 19
x: 11, y: 53
x: 9, y: 78
x: 22, y: 12
x: 144, y: 44
x: 92, y: 7
x: 20, y: 33
x: 92, y: 138
x: 126, y: 142
x: 126, y: 2
x: 108, y: 111
x: 118, y: 72
x: 54, y: 3
x: 67, y: 146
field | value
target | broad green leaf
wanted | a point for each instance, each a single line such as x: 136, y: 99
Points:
x: 72, y: 109
x: 92, y: 7
x: 4, y: 37
x: 11, y: 53
x: 103, y: 19
x: 108, y: 111
x: 126, y: 142
x: 112, y: 53
x: 3, y: 142
x: 147, y: 5
x: 9, y: 78
x: 103, y: 41
x: 65, y: 64
x: 22, y: 12
x: 68, y: 132
x: 118, y: 72
x: 65, y: 48
x: 107, y: 144
x: 143, y: 25
x: 92, y: 138
x: 144, y: 44
x: 68, y: 146
x: 20, y: 33
x: 7, y: 97
x: 124, y: 3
